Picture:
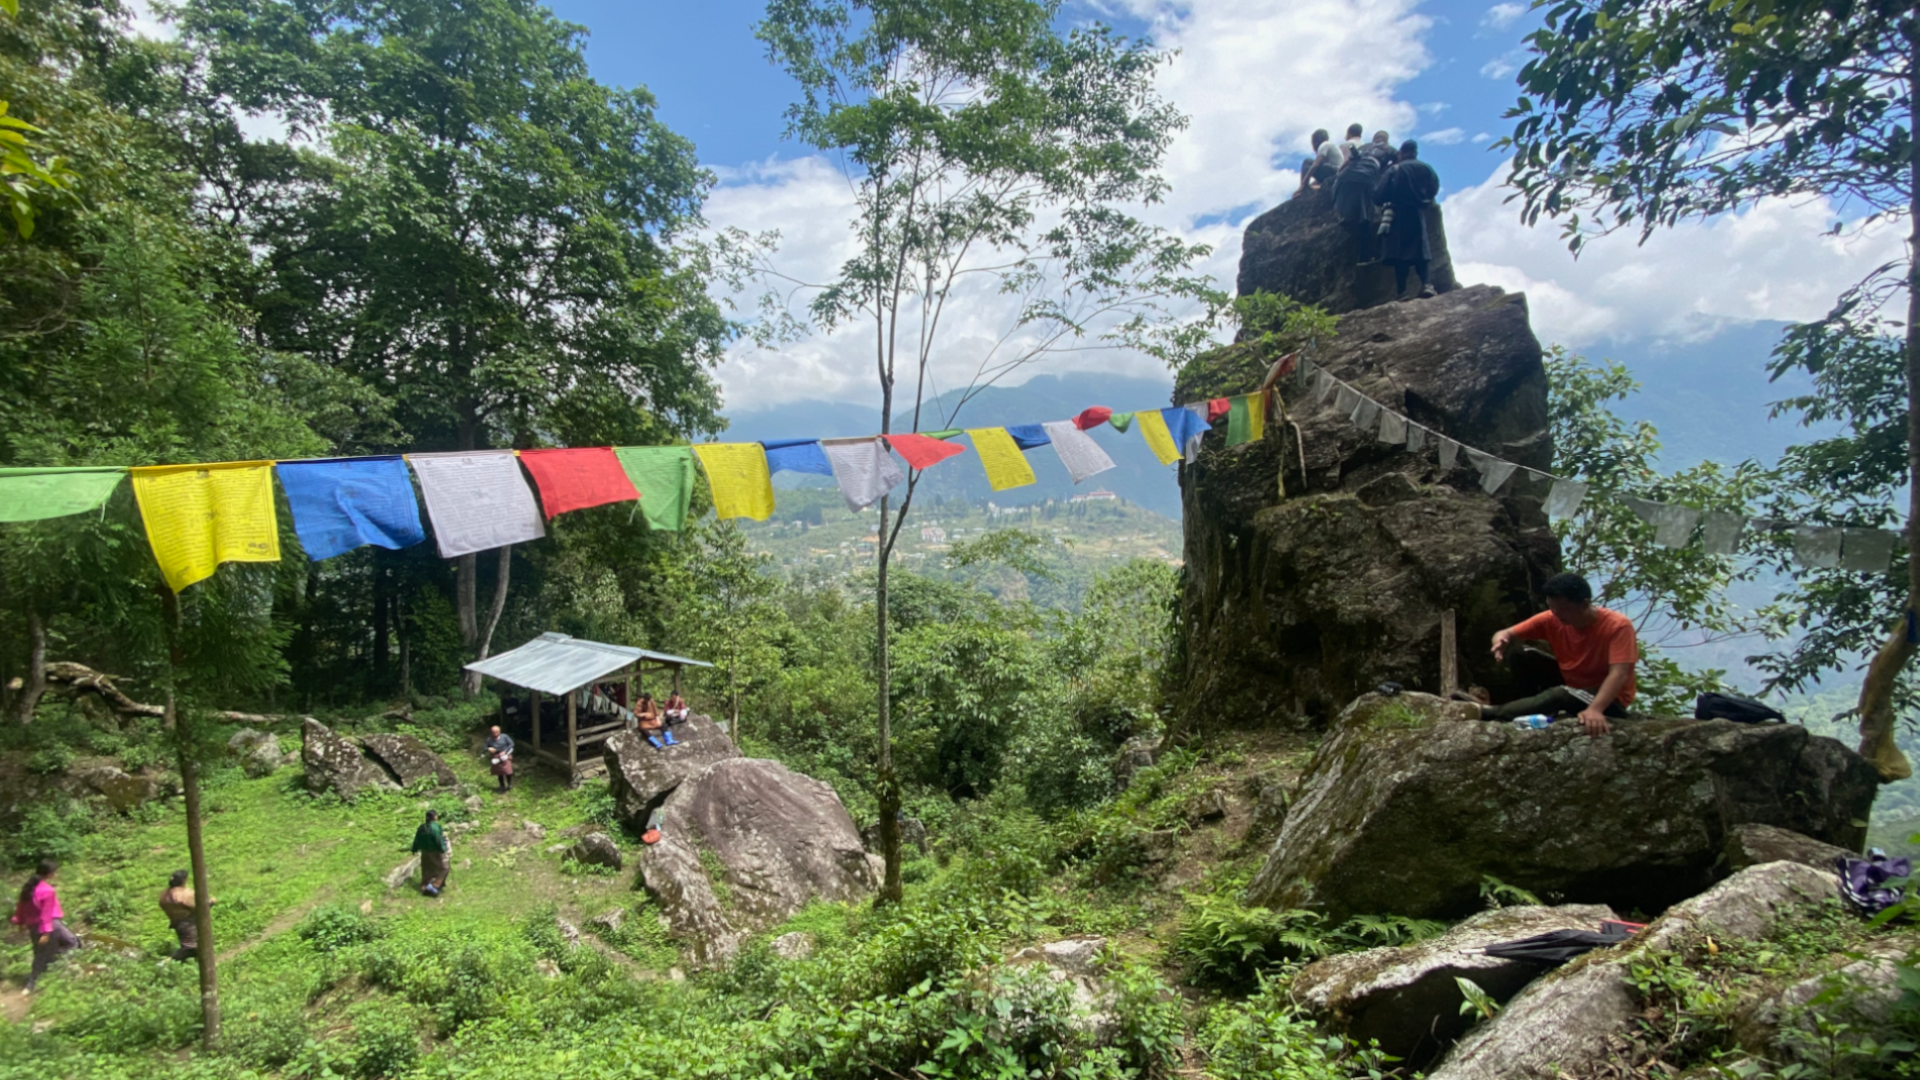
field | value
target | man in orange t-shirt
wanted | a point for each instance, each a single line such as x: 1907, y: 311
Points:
x: 1594, y: 647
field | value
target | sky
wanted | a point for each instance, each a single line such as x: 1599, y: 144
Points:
x: 1256, y: 77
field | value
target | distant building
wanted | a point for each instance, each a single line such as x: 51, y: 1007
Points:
x: 1102, y: 495
x: 932, y: 534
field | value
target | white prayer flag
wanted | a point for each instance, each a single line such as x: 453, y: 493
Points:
x: 1416, y: 437
x: 1393, y: 427
x: 1868, y: 551
x: 1324, y: 385
x: 1817, y: 546
x: 1345, y: 399
x: 1366, y: 414
x: 1564, y: 498
x: 477, y: 501
x: 1493, y: 471
x: 1720, y: 531
x: 1449, y: 453
x: 1672, y: 525
x: 863, y: 468
x: 1199, y: 409
x: 1078, y: 452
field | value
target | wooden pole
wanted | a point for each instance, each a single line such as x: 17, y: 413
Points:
x: 573, y: 748
x: 536, y: 722
x: 196, y: 846
x: 1449, y: 656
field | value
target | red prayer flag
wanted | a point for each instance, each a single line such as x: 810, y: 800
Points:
x: 922, y: 451
x: 1092, y: 418
x: 1218, y: 408
x: 577, y: 479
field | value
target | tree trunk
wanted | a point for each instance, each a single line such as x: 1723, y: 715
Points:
x: 202, y: 894
x: 891, y: 890
x: 36, y: 683
x: 1876, y: 693
x: 382, y: 623
x: 469, y: 680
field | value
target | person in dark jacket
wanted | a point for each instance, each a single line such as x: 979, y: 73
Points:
x: 1353, y: 193
x: 430, y: 843
x: 1405, y: 190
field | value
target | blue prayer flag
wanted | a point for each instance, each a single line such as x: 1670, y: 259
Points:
x: 340, y: 504
x: 1184, y: 425
x: 1028, y: 436
x: 797, y: 455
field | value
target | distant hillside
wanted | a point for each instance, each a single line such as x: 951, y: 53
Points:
x: 1136, y: 477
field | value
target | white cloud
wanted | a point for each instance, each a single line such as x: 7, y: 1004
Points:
x: 1767, y: 262
x: 1483, y: 137
x: 1501, y: 16
x: 1498, y: 68
x: 1444, y: 137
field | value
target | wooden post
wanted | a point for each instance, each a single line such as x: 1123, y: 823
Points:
x: 676, y: 678
x: 1449, y: 656
x: 573, y: 748
x: 536, y: 722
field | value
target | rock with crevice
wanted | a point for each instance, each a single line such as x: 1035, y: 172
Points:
x: 1568, y: 1022
x: 333, y: 763
x: 1321, y: 560
x: 1406, y: 997
x: 641, y: 775
x: 1752, y: 844
x: 746, y: 844
x: 1407, y: 811
x: 408, y: 760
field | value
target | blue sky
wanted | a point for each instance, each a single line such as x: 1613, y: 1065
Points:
x: 1256, y: 77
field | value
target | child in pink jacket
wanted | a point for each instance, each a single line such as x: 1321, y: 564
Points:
x: 38, y: 911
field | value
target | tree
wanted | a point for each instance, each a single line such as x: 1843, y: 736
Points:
x: 1642, y: 113
x: 725, y: 607
x: 992, y: 159
x: 488, y: 239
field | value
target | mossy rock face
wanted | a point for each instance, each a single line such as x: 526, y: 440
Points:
x: 1405, y: 811
x: 1321, y: 560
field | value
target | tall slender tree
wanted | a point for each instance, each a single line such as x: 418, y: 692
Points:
x: 1638, y: 114
x: 996, y: 164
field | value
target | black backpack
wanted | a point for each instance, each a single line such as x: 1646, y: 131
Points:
x: 1738, y: 709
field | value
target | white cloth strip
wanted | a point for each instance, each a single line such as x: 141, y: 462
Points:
x: 863, y: 468
x: 1564, y: 498
x: 1493, y: 471
x: 1393, y: 427
x: 1817, y: 546
x: 1720, y: 531
x: 1868, y: 551
x: 477, y: 501
x: 1078, y: 452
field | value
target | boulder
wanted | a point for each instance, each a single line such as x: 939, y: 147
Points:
x: 408, y: 759
x: 913, y: 834
x: 335, y: 764
x: 122, y: 790
x: 1864, y: 995
x: 1297, y: 602
x: 1752, y: 845
x: 259, y: 752
x: 1072, y: 964
x: 1299, y: 249
x: 610, y: 920
x: 796, y: 945
x: 1569, y: 1020
x: 746, y: 844
x: 1406, y: 997
x: 596, y: 849
x: 642, y: 775
x: 403, y: 873
x: 1405, y: 811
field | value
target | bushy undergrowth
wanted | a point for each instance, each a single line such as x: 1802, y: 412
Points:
x: 1230, y: 946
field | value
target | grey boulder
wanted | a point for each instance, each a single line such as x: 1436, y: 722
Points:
x: 1406, y: 811
x: 746, y: 844
x: 1752, y: 845
x: 408, y: 759
x: 335, y: 764
x: 1301, y: 250
x: 596, y: 849
x: 642, y: 775
x: 1570, y: 1019
x: 1406, y: 997
x: 258, y: 751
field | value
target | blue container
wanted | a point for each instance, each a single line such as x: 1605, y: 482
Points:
x: 1532, y: 723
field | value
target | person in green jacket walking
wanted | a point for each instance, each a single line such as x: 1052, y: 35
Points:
x: 430, y: 841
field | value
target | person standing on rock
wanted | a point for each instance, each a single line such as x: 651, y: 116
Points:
x: 1406, y: 190
x: 176, y: 903
x: 500, y: 756
x: 1353, y: 191
x: 1594, y: 647
x: 430, y: 843
x: 38, y: 910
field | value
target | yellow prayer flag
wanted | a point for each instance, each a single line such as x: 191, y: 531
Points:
x: 1006, y: 466
x: 1153, y: 427
x: 742, y: 485
x: 199, y: 516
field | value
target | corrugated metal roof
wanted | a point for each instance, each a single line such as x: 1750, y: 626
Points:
x: 556, y: 663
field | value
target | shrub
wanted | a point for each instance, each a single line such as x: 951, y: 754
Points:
x: 264, y: 1030
x: 53, y: 832
x: 336, y: 926
x: 1263, y: 1037
x: 386, y: 1040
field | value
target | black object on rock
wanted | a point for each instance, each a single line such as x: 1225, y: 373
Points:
x: 1556, y: 947
x: 1740, y: 710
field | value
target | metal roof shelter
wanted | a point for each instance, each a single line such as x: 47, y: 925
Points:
x: 572, y: 668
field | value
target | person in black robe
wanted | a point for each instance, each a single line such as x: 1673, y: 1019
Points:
x: 1353, y: 194
x: 1405, y: 190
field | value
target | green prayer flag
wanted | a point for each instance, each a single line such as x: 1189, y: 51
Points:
x: 1121, y: 421
x: 947, y: 434
x: 1246, y: 418
x: 663, y: 475
x: 33, y: 494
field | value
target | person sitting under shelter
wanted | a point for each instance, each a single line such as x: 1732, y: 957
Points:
x: 1595, y: 649
x: 652, y: 724
x: 676, y: 708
